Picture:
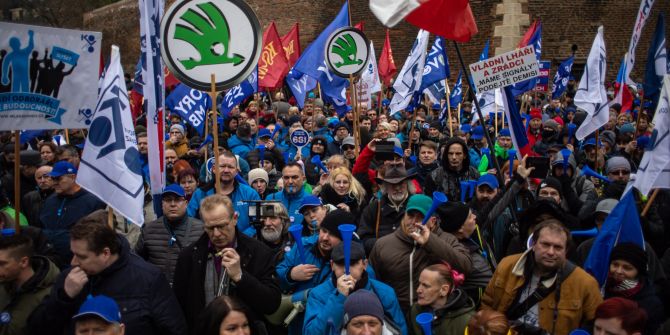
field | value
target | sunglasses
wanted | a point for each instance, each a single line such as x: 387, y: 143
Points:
x: 348, y: 147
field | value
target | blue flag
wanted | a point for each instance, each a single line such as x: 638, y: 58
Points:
x: 562, y: 77
x: 138, y: 82
x: 437, y: 65
x: 28, y: 135
x: 456, y: 96
x: 312, y: 63
x: 300, y: 84
x: 191, y: 105
x: 485, y: 53
x: 536, y: 41
x: 237, y: 94
x: 622, y: 225
x: 657, y: 63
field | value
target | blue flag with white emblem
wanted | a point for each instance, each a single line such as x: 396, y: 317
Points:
x: 312, y: 63
x: 436, y: 67
x: 237, y: 94
x: 191, y: 105
x: 300, y: 84
x: 562, y: 77
x: 456, y: 96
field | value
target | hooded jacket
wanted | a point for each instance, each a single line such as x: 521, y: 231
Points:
x: 445, y: 180
x: 240, y: 146
x: 20, y: 303
x: 145, y: 299
x: 450, y: 319
x: 398, y: 260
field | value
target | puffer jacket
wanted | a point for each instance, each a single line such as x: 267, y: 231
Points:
x: 154, y: 242
x: 398, y: 260
x: 445, y: 180
x: 20, y: 303
x: 181, y: 147
x: 577, y: 303
x: 326, y: 303
x: 448, y: 320
x: 240, y: 146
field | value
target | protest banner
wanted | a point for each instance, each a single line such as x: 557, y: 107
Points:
x: 505, y: 69
x: 49, y: 77
x: 542, y: 84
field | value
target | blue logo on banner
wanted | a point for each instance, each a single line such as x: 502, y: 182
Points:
x: 300, y: 138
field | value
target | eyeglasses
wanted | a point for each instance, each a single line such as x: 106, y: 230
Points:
x: 619, y: 172
x: 220, y: 227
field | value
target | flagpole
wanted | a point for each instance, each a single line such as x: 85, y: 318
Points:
x: 206, y: 132
x: 67, y: 136
x: 495, y: 117
x: 597, y: 166
x: 458, y: 114
x: 215, y: 137
x: 647, y: 206
x: 501, y: 180
x: 448, y: 94
x: 17, y: 181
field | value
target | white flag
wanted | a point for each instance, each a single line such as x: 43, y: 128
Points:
x: 409, y: 78
x: 591, y: 95
x: 654, y: 170
x: 490, y: 102
x: 390, y: 12
x: 642, y: 15
x: 110, y: 165
x: 369, y: 82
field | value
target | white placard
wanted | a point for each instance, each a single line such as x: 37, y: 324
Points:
x: 505, y: 69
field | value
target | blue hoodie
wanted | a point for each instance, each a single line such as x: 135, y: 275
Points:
x: 241, y: 146
x: 292, y: 203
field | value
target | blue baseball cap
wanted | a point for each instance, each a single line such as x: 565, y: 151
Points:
x: 466, y: 128
x: 477, y: 133
x: 309, y: 201
x: 488, y: 179
x: 592, y: 141
x: 174, y: 189
x: 100, y: 306
x: 264, y: 133
x: 62, y: 168
x: 436, y: 107
x: 504, y: 132
x: 398, y: 151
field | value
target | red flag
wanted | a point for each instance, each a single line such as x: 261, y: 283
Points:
x: 135, y: 104
x: 291, y: 44
x: 451, y: 19
x: 529, y: 33
x: 170, y: 79
x: 626, y: 97
x: 360, y: 25
x: 387, y: 68
x: 273, y: 66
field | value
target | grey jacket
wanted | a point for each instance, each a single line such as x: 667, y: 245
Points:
x: 154, y: 242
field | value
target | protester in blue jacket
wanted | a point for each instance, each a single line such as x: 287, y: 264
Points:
x: 326, y: 302
x: 238, y: 192
x: 296, y: 276
x: 242, y: 142
x: 291, y: 196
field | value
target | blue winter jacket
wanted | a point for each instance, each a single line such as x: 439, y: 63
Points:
x: 241, y: 146
x: 241, y: 192
x: 326, y: 303
x: 292, y: 203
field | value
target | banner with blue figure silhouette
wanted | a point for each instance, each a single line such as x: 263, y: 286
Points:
x: 48, y: 77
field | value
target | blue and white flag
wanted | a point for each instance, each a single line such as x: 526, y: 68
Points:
x: 591, y: 95
x: 237, y: 94
x: 312, y: 63
x: 486, y: 98
x: 409, y: 79
x: 300, y: 84
x: 436, y: 67
x: 435, y: 92
x: 111, y: 167
x: 191, y: 105
x: 536, y: 41
x: 622, y: 225
x: 456, y: 96
x: 654, y: 170
x: 642, y: 15
x: 657, y: 63
x: 562, y: 77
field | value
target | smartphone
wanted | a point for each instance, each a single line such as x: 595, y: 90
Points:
x: 541, y: 165
x: 384, y: 150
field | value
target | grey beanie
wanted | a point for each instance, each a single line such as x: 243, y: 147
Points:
x: 178, y: 127
x: 617, y: 163
x: 362, y: 302
x: 256, y: 174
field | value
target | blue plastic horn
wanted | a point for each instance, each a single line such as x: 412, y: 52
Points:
x: 347, y: 231
x: 425, y: 321
x: 571, y: 130
x: 240, y: 180
x: 487, y: 153
x: 565, y: 153
x: 464, y: 189
x: 274, y: 132
x: 585, y: 233
x: 512, y: 157
x: 316, y: 160
x: 472, y: 186
x: 412, y: 159
x: 261, y: 153
x: 296, y: 232
x: 579, y: 332
x: 438, y: 199
x: 586, y: 171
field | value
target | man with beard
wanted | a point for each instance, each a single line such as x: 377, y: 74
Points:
x: 143, y: 148
x: 455, y: 167
x: 383, y: 216
x: 297, y: 276
x: 161, y: 240
x: 274, y: 231
x: 238, y: 192
x: 540, y: 290
x: 34, y: 200
x: 427, y: 160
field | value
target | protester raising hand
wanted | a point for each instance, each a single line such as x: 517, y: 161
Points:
x: 522, y: 170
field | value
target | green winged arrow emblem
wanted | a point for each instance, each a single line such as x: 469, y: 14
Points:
x: 345, y: 47
x: 210, y: 36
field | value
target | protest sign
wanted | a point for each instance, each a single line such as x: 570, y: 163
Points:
x: 48, y: 76
x: 542, y: 84
x: 505, y: 69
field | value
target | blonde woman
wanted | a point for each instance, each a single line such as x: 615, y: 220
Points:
x: 343, y: 191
